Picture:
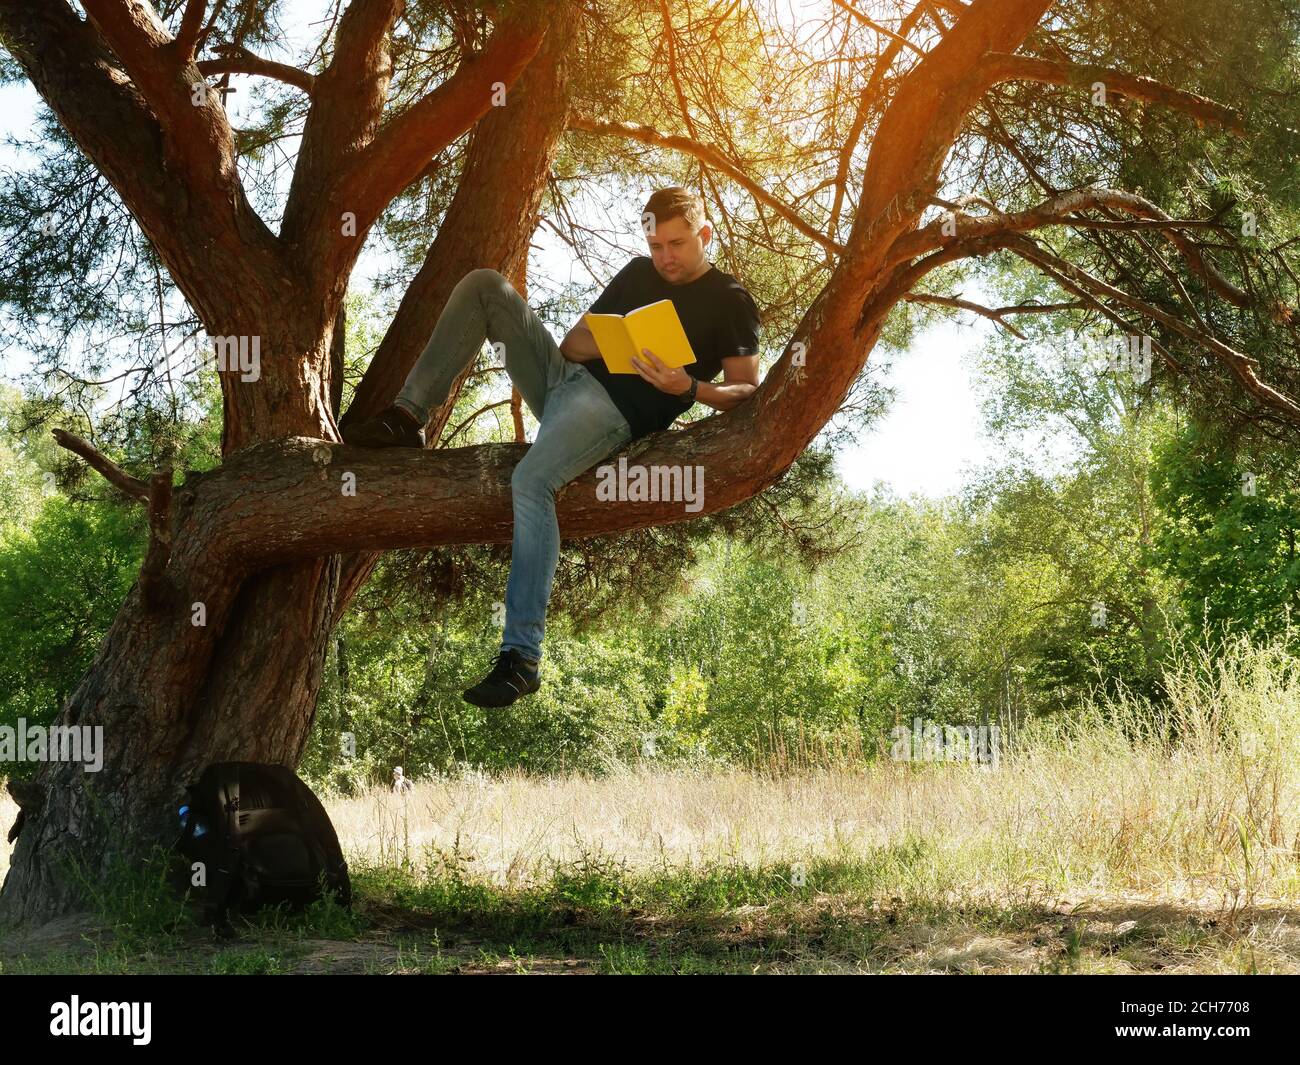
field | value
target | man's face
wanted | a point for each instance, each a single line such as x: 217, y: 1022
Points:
x: 677, y: 252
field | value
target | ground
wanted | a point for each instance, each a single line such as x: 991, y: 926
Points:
x: 819, y: 935
x: 1075, y: 860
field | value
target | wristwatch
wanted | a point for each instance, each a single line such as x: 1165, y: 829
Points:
x: 689, y: 394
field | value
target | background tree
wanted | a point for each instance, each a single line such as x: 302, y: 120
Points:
x: 1230, y: 538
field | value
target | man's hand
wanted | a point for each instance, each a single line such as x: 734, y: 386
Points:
x: 671, y: 379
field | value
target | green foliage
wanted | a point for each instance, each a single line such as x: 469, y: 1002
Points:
x: 398, y: 694
x: 1230, y: 537
x: 61, y: 583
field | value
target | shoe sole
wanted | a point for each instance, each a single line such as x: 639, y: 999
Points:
x: 473, y: 700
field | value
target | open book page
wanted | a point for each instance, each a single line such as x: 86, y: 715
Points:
x: 655, y: 326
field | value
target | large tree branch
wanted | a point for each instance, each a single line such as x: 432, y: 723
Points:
x: 347, y: 108
x: 189, y: 204
x: 711, y: 157
x: 401, y: 149
x: 869, y: 93
x: 1000, y: 67
x: 1063, y: 209
x: 163, y: 71
x: 277, y: 502
x: 347, y: 174
x: 1241, y: 366
x: 174, y: 167
x: 917, y: 130
x: 239, y: 60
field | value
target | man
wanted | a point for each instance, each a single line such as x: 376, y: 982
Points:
x: 584, y: 412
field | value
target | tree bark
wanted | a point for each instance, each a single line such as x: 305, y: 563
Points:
x: 172, y: 696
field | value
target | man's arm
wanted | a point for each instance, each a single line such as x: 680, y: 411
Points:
x: 738, y: 330
x: 739, y: 380
x: 579, y: 345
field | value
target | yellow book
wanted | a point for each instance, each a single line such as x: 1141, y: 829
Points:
x: 655, y: 326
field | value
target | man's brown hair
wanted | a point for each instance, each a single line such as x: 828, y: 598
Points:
x: 673, y: 202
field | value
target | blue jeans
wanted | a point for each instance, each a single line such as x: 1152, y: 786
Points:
x: 578, y: 426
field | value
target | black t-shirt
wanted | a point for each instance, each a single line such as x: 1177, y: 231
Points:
x: 720, y: 320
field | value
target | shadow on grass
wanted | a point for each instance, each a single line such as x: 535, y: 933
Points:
x: 593, y: 915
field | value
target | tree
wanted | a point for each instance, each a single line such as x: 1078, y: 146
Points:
x: 1068, y: 521
x: 217, y: 651
x: 60, y: 584
x: 1230, y: 534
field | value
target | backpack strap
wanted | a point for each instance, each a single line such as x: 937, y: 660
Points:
x: 222, y: 883
x: 187, y: 828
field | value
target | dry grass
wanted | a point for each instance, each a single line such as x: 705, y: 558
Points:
x: 1051, y: 824
x: 1195, y: 805
x: 1198, y: 807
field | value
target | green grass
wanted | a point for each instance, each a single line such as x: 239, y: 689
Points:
x: 595, y: 916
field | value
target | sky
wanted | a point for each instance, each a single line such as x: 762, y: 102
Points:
x: 931, y: 433
x: 924, y: 443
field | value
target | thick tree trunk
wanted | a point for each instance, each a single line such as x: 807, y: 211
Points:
x: 171, y: 696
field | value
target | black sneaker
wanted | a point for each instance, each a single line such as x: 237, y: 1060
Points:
x: 512, y: 675
x: 392, y: 427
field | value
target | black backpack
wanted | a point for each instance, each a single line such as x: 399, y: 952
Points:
x: 263, y: 837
